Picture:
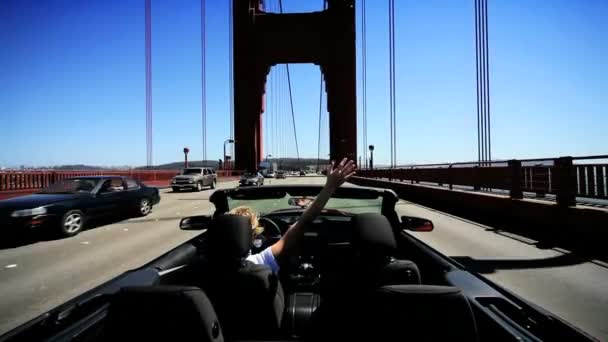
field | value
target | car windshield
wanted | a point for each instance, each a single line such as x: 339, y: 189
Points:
x: 269, y: 205
x: 192, y: 171
x: 72, y: 185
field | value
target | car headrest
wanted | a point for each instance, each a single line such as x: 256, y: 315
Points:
x: 230, y: 237
x: 163, y: 312
x: 373, y: 234
x: 431, y: 313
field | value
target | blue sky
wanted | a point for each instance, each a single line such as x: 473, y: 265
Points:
x: 72, y: 81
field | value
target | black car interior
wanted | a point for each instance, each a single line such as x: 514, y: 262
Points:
x: 357, y: 277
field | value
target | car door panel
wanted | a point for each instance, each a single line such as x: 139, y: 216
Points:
x: 132, y: 194
x: 206, y: 179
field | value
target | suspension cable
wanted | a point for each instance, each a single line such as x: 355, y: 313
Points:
x: 148, y: 53
x: 392, y: 110
x: 484, y: 144
x: 320, y: 107
x: 488, y: 133
x: 230, y: 76
x: 320, y: 112
x: 293, y: 117
x: 394, y: 92
x: 477, y: 73
x: 203, y: 79
x: 484, y: 138
x: 364, y: 79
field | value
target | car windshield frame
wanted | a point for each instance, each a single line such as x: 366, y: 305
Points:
x: 382, y: 199
x: 192, y: 171
x: 63, y: 186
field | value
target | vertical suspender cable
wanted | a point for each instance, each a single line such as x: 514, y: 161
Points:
x: 477, y: 73
x: 483, y: 82
x: 364, y: 79
x: 484, y: 141
x: 293, y: 117
x: 487, y: 65
x: 394, y: 90
x: 280, y: 114
x: 320, y: 107
x: 230, y: 75
x: 268, y: 114
x: 320, y: 112
x: 391, y: 10
x: 203, y: 79
x: 148, y: 53
x: 390, y: 79
x: 482, y: 86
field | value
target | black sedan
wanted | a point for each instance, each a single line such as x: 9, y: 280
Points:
x: 67, y: 204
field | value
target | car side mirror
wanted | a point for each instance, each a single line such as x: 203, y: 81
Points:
x: 199, y: 222
x: 416, y: 224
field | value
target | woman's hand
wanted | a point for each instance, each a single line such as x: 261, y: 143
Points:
x: 288, y: 244
x: 337, y: 175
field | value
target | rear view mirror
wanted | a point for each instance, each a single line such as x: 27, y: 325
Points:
x: 416, y: 224
x: 299, y: 201
x: 195, y: 222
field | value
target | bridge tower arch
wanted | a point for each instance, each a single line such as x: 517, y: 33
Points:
x: 261, y: 40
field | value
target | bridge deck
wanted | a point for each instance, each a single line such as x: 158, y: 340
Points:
x: 48, y: 273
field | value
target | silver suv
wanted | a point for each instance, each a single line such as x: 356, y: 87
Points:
x: 194, y: 178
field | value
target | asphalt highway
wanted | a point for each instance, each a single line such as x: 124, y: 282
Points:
x: 39, y: 275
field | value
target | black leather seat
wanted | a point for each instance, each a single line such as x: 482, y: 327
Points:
x: 248, y: 298
x: 399, y: 313
x: 372, y: 264
x: 416, y: 313
x: 374, y: 239
x: 162, y: 313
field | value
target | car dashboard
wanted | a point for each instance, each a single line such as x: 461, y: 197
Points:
x: 326, y: 248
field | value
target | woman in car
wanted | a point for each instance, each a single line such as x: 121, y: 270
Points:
x: 272, y: 256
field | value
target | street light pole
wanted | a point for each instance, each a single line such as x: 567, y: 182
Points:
x: 228, y: 141
x: 371, y: 158
x: 186, y: 150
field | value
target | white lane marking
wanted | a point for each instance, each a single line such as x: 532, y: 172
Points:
x: 177, y: 213
x: 196, y: 207
x: 10, y: 266
x: 125, y: 229
x: 85, y: 243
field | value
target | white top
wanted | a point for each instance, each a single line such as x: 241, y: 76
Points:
x: 265, y: 257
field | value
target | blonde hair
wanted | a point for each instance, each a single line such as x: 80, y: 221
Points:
x: 253, y: 218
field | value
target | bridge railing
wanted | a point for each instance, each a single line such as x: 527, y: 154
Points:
x: 26, y: 180
x: 556, y: 176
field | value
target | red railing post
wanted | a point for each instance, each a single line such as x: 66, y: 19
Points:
x: 515, y: 190
x: 476, y: 175
x: 450, y: 181
x: 565, y: 181
x: 600, y: 181
x: 591, y: 180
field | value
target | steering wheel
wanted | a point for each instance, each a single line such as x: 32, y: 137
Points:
x: 275, y: 231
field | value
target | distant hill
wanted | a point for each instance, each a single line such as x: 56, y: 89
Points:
x: 298, y: 164
x: 180, y: 165
x: 282, y: 163
x: 80, y: 167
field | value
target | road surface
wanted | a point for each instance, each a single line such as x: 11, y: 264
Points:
x: 38, y: 276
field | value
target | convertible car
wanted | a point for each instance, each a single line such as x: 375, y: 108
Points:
x: 359, y: 275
